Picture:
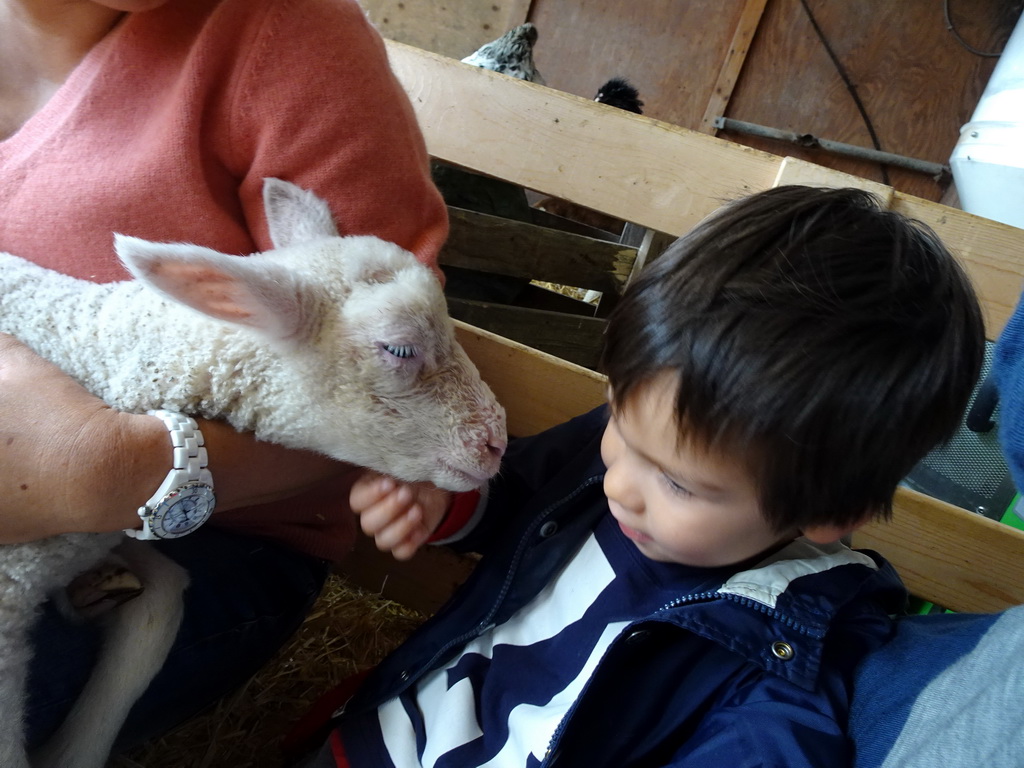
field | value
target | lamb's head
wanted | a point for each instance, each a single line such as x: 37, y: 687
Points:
x: 411, y: 393
x: 362, y: 362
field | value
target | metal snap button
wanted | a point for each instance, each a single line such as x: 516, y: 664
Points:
x: 548, y: 529
x: 783, y: 651
x: 638, y: 636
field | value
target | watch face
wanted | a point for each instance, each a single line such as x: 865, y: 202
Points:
x: 183, y: 511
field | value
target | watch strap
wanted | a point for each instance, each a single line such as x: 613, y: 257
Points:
x: 188, y: 465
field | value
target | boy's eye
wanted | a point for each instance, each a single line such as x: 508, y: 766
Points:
x: 675, y: 487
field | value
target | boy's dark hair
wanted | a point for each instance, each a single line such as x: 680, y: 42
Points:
x: 829, y: 341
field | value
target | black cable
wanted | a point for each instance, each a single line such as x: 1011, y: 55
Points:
x: 849, y: 87
x: 964, y: 43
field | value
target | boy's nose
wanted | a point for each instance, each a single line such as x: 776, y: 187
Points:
x: 620, y: 488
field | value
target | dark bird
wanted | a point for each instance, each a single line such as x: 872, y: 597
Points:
x: 617, y: 92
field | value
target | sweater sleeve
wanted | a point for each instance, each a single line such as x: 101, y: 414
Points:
x: 316, y: 103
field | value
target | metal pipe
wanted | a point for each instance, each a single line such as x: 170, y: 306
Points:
x: 937, y: 171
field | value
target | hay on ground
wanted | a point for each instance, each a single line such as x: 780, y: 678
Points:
x: 347, y: 631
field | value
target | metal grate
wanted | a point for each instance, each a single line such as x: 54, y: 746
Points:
x: 970, y: 471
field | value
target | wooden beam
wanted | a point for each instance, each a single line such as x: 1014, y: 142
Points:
x: 538, y: 390
x: 517, y: 249
x: 991, y: 252
x: 792, y: 170
x: 746, y: 27
x: 628, y: 166
x: 575, y: 338
x: 423, y: 583
x: 952, y: 557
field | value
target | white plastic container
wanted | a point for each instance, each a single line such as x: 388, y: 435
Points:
x: 988, y: 160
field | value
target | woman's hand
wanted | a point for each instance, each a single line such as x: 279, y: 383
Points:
x: 69, y: 463
x: 59, y: 457
x: 399, y: 516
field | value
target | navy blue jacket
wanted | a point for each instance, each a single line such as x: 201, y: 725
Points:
x: 753, y: 670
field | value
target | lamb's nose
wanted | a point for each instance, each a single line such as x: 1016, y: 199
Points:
x: 496, y: 443
x: 497, y: 448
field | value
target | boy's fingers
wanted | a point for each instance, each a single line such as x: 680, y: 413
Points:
x: 400, y: 529
x: 365, y: 492
x: 408, y: 548
x: 385, y: 512
x: 369, y: 494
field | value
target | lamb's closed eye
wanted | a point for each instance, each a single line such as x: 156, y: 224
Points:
x: 401, y: 351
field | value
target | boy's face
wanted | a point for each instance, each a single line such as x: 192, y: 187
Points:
x: 675, y: 502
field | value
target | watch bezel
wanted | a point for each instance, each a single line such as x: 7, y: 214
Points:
x: 160, y: 511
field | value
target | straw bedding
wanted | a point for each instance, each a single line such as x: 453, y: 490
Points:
x: 348, y: 630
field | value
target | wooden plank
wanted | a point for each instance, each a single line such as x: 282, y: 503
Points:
x: 750, y: 18
x: 956, y: 559
x: 538, y: 390
x: 944, y: 554
x: 671, y: 50
x: 948, y: 555
x: 574, y: 338
x: 792, y: 170
x: 517, y: 249
x: 991, y: 252
x: 629, y: 166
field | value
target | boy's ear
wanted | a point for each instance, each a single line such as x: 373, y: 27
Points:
x: 827, y: 534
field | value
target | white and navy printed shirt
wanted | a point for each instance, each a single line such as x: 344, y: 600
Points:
x: 500, y: 702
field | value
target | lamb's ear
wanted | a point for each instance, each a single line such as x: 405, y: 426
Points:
x: 295, y: 215
x: 241, y: 290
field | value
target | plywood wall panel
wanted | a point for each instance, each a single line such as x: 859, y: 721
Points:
x: 918, y: 85
x: 453, y: 28
x: 671, y: 50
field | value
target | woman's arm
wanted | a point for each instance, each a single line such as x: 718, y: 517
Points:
x: 321, y: 108
x: 73, y: 464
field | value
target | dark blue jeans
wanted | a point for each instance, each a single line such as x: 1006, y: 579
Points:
x: 246, y: 597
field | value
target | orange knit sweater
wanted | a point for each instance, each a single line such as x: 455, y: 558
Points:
x: 166, y: 130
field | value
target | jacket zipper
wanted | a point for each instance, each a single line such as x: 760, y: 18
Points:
x: 551, y: 753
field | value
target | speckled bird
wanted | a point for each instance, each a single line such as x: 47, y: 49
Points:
x: 511, y: 54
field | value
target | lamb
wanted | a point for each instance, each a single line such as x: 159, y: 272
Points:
x: 340, y: 345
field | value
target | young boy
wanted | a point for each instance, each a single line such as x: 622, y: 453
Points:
x: 661, y: 581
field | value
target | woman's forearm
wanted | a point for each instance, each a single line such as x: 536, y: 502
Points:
x: 69, y: 463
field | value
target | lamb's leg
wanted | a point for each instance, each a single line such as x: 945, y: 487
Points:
x: 137, y: 639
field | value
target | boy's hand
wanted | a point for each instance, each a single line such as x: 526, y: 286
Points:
x: 399, y: 516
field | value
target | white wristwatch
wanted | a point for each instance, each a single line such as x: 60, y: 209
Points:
x: 185, y: 500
